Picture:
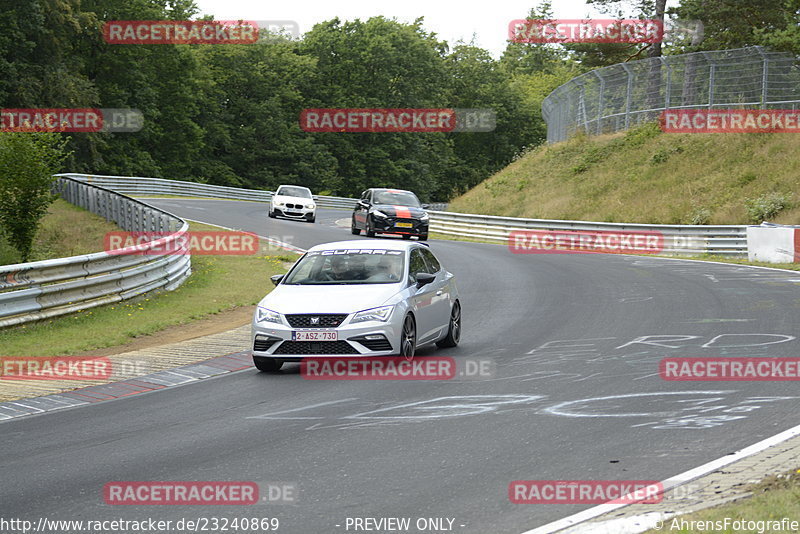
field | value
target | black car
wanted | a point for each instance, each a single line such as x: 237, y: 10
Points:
x: 390, y: 211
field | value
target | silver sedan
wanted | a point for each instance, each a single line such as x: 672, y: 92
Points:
x: 357, y: 298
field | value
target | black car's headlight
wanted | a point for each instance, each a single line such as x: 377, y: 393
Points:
x: 379, y: 214
x: 424, y: 217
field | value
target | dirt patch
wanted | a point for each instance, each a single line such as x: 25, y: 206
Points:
x: 220, y: 322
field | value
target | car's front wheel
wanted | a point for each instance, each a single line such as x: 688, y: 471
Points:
x: 267, y: 365
x: 423, y: 237
x: 408, y: 339
x: 271, y: 214
x: 311, y: 219
x: 368, y: 230
x: 454, y: 328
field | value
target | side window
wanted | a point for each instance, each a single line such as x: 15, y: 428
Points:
x: 430, y: 259
x: 364, y: 195
x: 416, y: 265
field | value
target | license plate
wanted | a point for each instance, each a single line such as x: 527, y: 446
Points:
x: 404, y: 225
x: 315, y: 336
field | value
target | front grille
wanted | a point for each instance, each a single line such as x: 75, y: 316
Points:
x: 263, y: 345
x: 315, y: 347
x: 375, y: 344
x: 294, y: 206
x: 324, y: 320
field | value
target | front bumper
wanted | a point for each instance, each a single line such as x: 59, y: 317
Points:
x: 388, y: 225
x: 272, y: 340
x: 292, y: 211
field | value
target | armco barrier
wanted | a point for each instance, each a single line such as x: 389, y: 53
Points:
x: 159, y: 186
x: 679, y: 239
x: 43, y: 289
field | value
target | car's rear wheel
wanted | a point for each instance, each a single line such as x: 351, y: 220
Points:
x: 353, y: 229
x: 267, y: 365
x: 454, y: 328
x: 408, y: 339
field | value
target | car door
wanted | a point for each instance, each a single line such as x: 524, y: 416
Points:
x: 422, y: 299
x: 361, y: 210
x: 441, y: 296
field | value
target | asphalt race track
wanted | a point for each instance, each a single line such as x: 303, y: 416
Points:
x: 575, y: 342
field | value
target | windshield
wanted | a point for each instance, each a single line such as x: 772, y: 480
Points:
x: 334, y: 267
x: 396, y: 198
x: 294, y: 192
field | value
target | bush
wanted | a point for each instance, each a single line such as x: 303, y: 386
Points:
x: 766, y: 206
x: 27, y: 164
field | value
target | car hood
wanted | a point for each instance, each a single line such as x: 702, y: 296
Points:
x: 329, y: 298
x: 403, y: 212
x: 293, y: 200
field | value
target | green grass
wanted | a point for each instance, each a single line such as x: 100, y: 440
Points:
x: 647, y: 176
x: 66, y: 230
x: 773, y: 499
x: 217, y: 284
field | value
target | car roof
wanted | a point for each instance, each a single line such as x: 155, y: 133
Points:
x: 363, y: 244
x: 391, y: 189
x: 290, y: 185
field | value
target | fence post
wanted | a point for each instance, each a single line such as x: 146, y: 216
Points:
x: 668, y: 88
x: 600, y: 102
x: 628, y: 93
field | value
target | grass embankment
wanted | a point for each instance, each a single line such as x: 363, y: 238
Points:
x: 66, y: 230
x: 218, y: 284
x: 773, y: 499
x: 647, y: 176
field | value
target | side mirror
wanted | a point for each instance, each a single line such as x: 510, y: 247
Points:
x: 424, y: 279
x: 276, y: 279
x: 426, y: 206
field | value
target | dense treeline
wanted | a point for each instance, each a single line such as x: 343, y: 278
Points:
x: 228, y: 114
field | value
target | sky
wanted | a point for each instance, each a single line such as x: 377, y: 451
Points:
x: 450, y: 20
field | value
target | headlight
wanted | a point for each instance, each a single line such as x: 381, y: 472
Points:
x: 310, y: 206
x: 264, y: 315
x: 379, y: 213
x: 279, y: 203
x: 373, y: 314
x: 424, y: 217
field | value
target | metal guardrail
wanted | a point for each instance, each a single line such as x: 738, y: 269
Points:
x: 134, y: 185
x: 618, y: 97
x: 43, y: 289
x: 678, y: 239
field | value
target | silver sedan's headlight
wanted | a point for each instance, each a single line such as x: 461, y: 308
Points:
x: 310, y: 206
x: 264, y: 315
x: 279, y: 203
x: 379, y: 213
x: 373, y: 314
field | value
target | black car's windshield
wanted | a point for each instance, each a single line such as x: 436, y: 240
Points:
x: 350, y: 266
x: 294, y: 192
x: 396, y: 198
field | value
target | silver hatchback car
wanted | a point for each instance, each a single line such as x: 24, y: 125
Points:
x: 357, y: 298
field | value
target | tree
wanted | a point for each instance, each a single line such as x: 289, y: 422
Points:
x: 27, y: 164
